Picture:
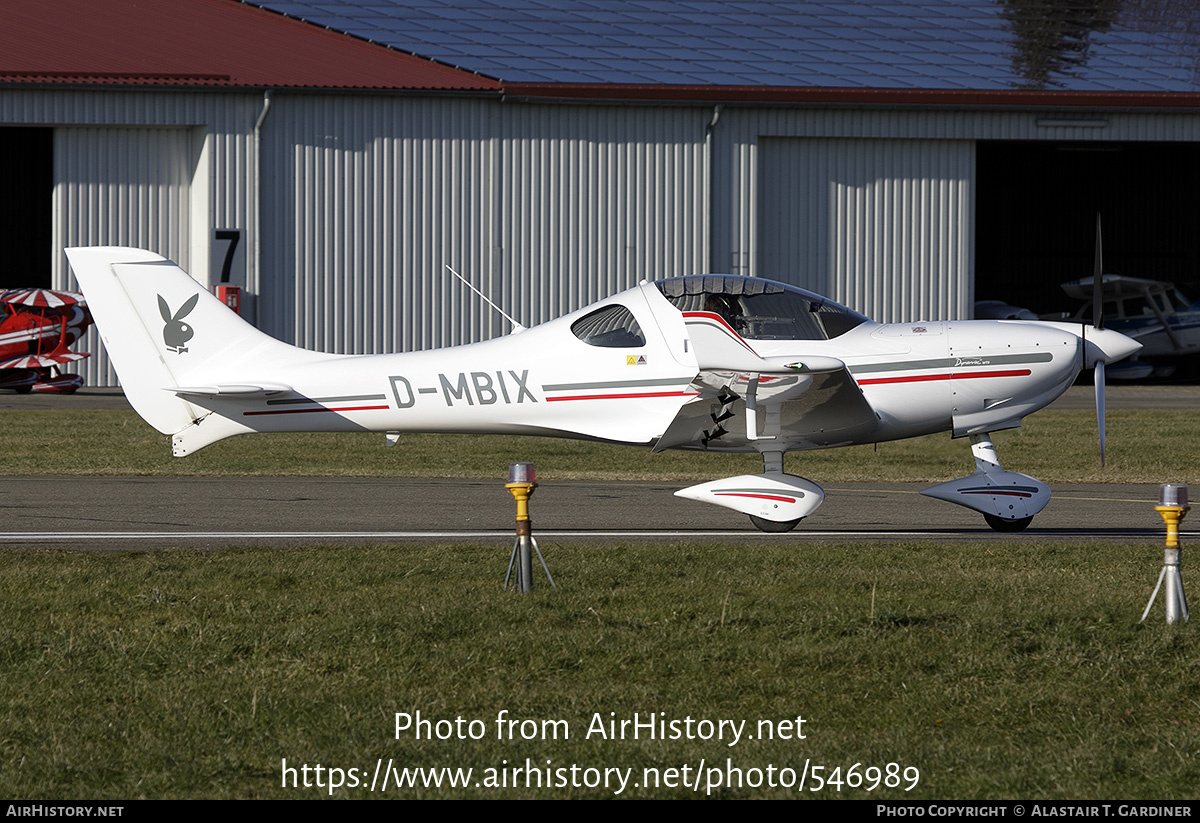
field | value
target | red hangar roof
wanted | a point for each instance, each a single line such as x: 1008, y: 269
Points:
x: 202, y: 43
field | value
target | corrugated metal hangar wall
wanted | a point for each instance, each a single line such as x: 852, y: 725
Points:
x: 154, y: 170
x: 543, y: 208
x: 364, y: 199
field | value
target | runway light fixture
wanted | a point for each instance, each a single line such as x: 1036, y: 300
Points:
x: 522, y: 481
x: 1173, y: 506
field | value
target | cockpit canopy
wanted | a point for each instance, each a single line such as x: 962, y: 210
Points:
x: 760, y: 309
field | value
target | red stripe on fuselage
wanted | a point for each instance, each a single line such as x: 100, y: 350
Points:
x: 924, y: 378
x: 622, y: 396
x: 310, y: 411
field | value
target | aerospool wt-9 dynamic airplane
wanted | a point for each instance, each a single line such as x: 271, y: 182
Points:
x: 711, y: 362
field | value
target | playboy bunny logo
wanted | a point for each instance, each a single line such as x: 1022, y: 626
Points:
x: 176, y: 333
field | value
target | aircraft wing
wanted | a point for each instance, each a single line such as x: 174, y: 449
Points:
x: 42, y: 361
x: 736, y: 409
x: 802, y: 400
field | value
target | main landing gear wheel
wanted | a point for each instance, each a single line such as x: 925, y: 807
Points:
x: 775, y: 526
x: 1004, y: 524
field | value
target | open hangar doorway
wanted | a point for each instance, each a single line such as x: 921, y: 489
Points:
x: 1035, y: 217
x: 26, y: 206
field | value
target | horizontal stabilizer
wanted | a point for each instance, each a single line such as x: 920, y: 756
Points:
x: 233, y: 390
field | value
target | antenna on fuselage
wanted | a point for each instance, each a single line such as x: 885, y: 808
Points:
x: 516, y: 327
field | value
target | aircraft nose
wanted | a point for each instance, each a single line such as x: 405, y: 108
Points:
x: 1107, y: 345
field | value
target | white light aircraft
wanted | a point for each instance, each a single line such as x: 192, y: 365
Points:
x: 712, y: 362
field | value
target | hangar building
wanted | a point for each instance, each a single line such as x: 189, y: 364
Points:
x: 332, y: 157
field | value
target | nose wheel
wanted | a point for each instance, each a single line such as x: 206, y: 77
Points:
x: 1004, y: 524
x: 1007, y: 500
x: 774, y: 526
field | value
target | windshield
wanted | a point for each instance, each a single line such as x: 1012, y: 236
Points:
x: 760, y: 309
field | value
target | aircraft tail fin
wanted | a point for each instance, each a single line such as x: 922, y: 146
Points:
x: 164, y: 331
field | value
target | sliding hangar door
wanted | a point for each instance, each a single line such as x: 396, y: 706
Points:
x: 905, y: 229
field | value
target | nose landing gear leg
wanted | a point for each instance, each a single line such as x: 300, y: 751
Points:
x: 1007, y: 500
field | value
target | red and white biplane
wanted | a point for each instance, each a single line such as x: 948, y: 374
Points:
x: 37, y: 329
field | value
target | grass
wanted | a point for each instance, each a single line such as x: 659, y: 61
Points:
x: 998, y: 670
x: 1002, y: 670
x: 1054, y: 446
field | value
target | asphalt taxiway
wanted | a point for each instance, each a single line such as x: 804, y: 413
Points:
x: 108, y: 513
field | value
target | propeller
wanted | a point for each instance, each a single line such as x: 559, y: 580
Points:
x: 1098, y: 323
